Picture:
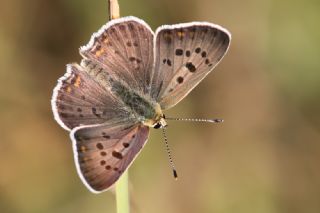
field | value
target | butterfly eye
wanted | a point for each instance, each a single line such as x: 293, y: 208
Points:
x: 157, y: 126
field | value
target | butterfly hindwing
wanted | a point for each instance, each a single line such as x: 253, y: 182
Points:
x: 103, y: 152
x: 184, y: 55
x: 124, y: 47
x: 79, y: 99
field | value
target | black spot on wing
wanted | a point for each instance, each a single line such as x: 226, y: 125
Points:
x: 104, y: 135
x: 167, y: 61
x: 190, y: 66
x: 117, y: 154
x: 99, y: 146
x: 179, y: 52
x: 125, y: 145
x: 180, y: 80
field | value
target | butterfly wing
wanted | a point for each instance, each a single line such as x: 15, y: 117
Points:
x: 79, y: 99
x: 103, y: 152
x: 184, y: 55
x: 124, y: 47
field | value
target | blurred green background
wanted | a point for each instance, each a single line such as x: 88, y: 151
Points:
x: 263, y: 159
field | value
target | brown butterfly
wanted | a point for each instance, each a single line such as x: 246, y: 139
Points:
x: 127, y: 77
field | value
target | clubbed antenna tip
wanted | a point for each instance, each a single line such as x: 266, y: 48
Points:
x: 217, y: 120
x: 175, y: 175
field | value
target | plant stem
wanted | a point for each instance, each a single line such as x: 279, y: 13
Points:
x: 122, y: 194
x: 114, y: 10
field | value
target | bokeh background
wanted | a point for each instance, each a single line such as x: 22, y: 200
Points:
x: 263, y: 159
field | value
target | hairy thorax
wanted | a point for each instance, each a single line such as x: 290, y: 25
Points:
x: 147, y: 111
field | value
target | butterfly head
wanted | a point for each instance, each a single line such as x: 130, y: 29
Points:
x: 161, y: 123
x: 158, y: 121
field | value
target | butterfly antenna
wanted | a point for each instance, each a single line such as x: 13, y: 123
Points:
x: 215, y: 120
x: 175, y: 175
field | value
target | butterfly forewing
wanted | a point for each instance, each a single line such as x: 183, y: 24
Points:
x: 103, y: 152
x: 184, y: 55
x: 124, y: 47
x: 79, y: 99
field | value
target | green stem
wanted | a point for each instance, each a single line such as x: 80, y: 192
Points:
x: 122, y: 194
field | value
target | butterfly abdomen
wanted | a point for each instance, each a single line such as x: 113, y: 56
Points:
x: 138, y: 104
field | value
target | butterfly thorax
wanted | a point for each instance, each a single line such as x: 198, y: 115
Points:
x: 147, y: 111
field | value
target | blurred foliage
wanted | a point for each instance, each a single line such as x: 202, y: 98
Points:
x: 264, y: 158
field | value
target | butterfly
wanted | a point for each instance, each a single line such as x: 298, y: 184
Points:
x: 128, y: 76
